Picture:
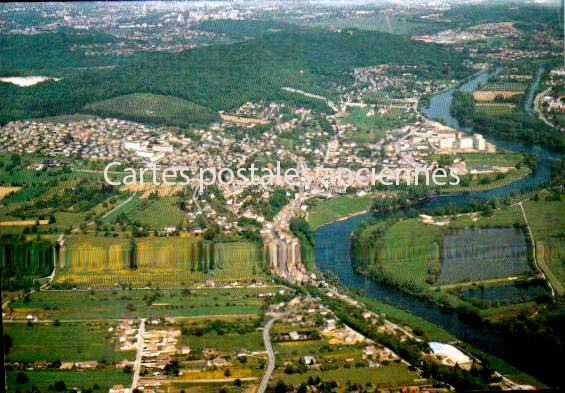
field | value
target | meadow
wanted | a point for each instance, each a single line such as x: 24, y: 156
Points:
x: 388, y: 376
x: 373, y: 128
x: 69, y: 342
x: 546, y: 221
x: 410, y: 250
x: 99, y: 381
x: 325, y: 211
x: 494, y: 108
x: 94, y: 305
x: 231, y: 342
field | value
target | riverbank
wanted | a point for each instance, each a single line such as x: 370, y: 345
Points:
x: 325, y: 211
x: 420, y: 330
x: 333, y: 254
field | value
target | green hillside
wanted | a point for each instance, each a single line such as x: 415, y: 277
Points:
x: 221, y: 77
x: 152, y: 108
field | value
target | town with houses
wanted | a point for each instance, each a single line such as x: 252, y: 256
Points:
x: 227, y: 296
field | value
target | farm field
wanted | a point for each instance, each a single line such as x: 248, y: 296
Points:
x: 85, y: 305
x: 226, y: 342
x: 491, y: 108
x: 490, y: 95
x: 410, y: 251
x: 334, y: 362
x: 391, y: 375
x: 416, y: 262
x: 546, y: 221
x: 81, y: 380
x: 210, y: 387
x: 89, y: 261
x: 476, y: 254
x: 510, y: 86
x: 498, y: 295
x: 153, y: 108
x: 69, y: 342
x: 158, y: 213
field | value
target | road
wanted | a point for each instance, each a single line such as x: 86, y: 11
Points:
x: 137, y: 364
x: 120, y: 205
x: 108, y: 212
x: 531, y: 235
x: 270, y: 353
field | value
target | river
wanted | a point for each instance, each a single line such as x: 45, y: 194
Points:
x: 333, y: 241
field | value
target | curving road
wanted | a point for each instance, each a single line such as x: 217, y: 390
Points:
x: 270, y: 353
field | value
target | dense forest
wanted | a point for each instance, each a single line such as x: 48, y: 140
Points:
x: 219, y: 77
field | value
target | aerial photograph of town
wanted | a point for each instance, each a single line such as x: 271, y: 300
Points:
x: 282, y: 196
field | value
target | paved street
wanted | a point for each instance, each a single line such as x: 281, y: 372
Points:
x: 137, y: 364
x: 270, y: 353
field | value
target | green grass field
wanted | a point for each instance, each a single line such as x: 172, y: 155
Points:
x: 157, y: 213
x: 73, y: 379
x: 325, y: 211
x: 510, y: 86
x: 153, y: 108
x: 372, y: 128
x: 494, y: 109
x: 410, y: 251
x: 546, y: 221
x: 84, y: 305
x: 69, y: 342
x: 388, y: 376
x: 227, y: 342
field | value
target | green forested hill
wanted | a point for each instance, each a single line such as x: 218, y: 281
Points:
x: 225, y: 76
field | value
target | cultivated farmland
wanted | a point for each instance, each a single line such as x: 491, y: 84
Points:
x: 88, y: 305
x: 164, y: 262
x: 482, y: 254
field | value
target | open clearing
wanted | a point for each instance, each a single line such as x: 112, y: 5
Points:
x: 372, y: 128
x: 324, y: 211
x: 26, y: 81
x: 8, y: 190
x: 23, y: 223
x: 242, y: 120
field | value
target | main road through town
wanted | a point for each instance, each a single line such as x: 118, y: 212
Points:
x: 270, y: 353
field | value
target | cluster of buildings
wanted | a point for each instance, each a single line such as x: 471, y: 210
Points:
x: 91, y: 139
x: 402, y: 79
x: 478, y: 32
